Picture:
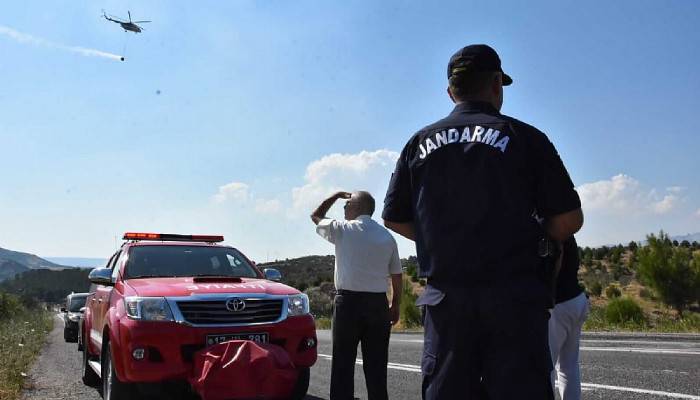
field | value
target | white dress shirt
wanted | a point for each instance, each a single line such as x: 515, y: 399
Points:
x: 365, y: 253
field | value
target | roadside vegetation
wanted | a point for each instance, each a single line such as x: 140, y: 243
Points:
x: 652, y: 287
x: 23, y: 329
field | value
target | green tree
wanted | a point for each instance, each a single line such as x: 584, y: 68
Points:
x: 673, y: 272
x: 631, y: 260
x: 587, y: 256
x: 615, y: 255
x: 601, y: 252
x: 632, y: 246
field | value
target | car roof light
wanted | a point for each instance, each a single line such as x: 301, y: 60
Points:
x: 173, y: 237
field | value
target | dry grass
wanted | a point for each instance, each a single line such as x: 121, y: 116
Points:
x: 21, y: 339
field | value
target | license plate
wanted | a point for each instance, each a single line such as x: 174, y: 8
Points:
x: 255, y: 337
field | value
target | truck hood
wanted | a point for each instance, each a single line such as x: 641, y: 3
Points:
x: 182, y: 286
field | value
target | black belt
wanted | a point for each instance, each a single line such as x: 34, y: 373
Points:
x: 345, y: 292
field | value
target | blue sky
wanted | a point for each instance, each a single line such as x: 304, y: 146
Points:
x: 237, y: 117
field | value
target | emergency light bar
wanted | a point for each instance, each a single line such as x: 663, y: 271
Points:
x: 173, y: 237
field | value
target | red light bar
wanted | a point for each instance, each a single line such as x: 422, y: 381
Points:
x: 173, y: 237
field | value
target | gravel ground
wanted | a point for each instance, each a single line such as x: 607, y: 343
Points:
x: 56, y: 373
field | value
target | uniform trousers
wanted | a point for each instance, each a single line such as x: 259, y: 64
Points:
x: 482, y: 344
x: 360, y: 317
x: 564, y: 339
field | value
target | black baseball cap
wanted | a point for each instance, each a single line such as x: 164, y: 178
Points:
x: 476, y: 57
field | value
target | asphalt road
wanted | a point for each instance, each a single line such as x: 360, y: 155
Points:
x: 614, y: 367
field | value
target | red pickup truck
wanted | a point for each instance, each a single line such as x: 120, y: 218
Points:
x: 163, y: 297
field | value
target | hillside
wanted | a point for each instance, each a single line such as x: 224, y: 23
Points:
x: 28, y: 260
x: 80, y: 262
x: 304, y: 272
x: 9, y: 268
x: 691, y: 237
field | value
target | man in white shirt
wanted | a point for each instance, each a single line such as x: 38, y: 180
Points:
x: 365, y: 256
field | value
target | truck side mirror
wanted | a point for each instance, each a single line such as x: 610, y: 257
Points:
x: 272, y: 274
x: 101, y: 276
x: 63, y: 309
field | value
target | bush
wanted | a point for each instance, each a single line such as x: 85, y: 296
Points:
x: 414, y: 278
x: 323, y: 323
x: 321, y: 303
x: 410, y: 314
x: 422, y: 282
x: 646, y: 293
x: 9, y: 306
x: 595, y: 288
x: 624, y: 310
x: 612, y: 291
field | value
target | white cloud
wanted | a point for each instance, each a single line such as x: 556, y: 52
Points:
x: 263, y: 206
x: 625, y: 195
x: 367, y: 170
x: 234, y: 191
x: 697, y: 213
x: 675, y: 189
x: 618, y: 193
x: 665, y: 205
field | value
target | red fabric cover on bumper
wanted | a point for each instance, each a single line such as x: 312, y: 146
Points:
x: 242, y: 369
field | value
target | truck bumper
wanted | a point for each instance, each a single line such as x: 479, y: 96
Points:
x: 168, y: 347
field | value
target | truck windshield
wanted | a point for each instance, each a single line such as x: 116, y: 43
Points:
x: 176, y: 261
x: 76, y: 303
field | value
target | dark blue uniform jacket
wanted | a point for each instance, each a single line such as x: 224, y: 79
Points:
x: 471, y: 184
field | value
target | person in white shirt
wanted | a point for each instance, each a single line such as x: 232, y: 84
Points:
x: 365, y: 257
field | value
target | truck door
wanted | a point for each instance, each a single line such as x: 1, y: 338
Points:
x: 99, y: 307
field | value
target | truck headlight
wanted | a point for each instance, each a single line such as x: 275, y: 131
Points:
x: 298, y: 304
x: 74, y: 317
x: 148, y: 308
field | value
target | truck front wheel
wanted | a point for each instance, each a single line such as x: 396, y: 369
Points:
x: 302, y: 385
x: 89, y: 377
x: 112, y: 387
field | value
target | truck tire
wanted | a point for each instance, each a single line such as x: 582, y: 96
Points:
x: 89, y: 377
x: 302, y: 385
x: 112, y: 387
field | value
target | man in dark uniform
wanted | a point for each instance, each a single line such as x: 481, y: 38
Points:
x: 467, y: 189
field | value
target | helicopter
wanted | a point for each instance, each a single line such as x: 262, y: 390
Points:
x: 126, y: 25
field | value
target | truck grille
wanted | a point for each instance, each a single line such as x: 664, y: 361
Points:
x: 214, y: 312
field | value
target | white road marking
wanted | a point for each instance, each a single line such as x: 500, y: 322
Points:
x: 643, y: 350
x: 400, y: 367
x: 686, y: 348
x: 407, y: 340
x: 643, y: 391
x: 584, y: 386
x: 649, y: 342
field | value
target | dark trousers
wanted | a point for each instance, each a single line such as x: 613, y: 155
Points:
x: 360, y: 317
x: 480, y: 345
